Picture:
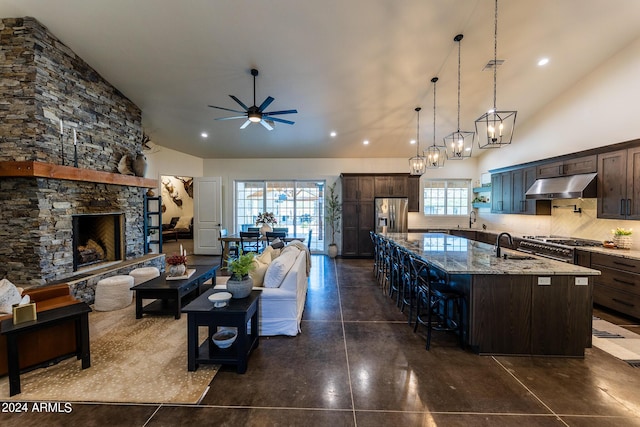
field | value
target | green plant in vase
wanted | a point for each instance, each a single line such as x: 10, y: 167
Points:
x: 333, y: 214
x: 240, y: 283
x: 622, y: 237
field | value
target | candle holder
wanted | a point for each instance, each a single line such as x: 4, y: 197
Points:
x: 75, y: 155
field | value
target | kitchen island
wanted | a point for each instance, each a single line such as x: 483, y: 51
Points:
x: 532, y: 306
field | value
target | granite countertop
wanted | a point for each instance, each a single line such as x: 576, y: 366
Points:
x: 457, y: 255
x: 623, y: 253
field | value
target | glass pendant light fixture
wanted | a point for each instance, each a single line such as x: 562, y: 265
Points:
x: 459, y: 144
x: 417, y: 164
x: 495, y: 128
x: 435, y: 157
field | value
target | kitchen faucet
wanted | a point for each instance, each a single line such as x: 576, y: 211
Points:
x: 498, y: 242
x: 475, y: 218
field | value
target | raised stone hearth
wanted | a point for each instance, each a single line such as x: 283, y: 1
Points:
x: 42, y: 82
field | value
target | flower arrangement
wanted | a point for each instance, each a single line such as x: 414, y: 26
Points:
x: 266, y: 218
x: 622, y: 232
x: 176, y: 259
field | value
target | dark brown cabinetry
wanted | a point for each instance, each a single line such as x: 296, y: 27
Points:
x: 501, y: 193
x: 536, y: 305
x: 391, y: 186
x: 586, y: 164
x: 357, y: 214
x: 413, y: 191
x: 618, y: 286
x: 619, y: 184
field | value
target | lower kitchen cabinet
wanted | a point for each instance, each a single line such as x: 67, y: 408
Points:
x: 618, y: 286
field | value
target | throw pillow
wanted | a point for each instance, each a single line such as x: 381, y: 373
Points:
x: 9, y: 295
x: 258, y: 273
x: 265, y: 256
x: 278, y: 269
x: 184, y: 222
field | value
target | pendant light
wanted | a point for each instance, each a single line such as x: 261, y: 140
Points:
x: 459, y: 144
x: 495, y: 128
x: 435, y: 157
x: 417, y: 164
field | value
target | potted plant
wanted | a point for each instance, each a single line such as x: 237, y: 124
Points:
x: 333, y: 214
x: 240, y: 283
x: 266, y: 219
x: 622, y: 238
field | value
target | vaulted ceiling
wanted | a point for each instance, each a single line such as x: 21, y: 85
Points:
x: 356, y: 67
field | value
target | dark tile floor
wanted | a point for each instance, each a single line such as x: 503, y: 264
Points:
x: 358, y: 363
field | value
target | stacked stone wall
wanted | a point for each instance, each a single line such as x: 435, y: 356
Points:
x: 41, y: 82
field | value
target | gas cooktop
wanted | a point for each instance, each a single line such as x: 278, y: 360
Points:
x: 564, y: 241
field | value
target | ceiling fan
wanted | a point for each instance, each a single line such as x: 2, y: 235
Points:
x: 256, y: 114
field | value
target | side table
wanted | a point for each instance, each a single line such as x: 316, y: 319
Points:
x: 78, y: 312
x: 201, y: 312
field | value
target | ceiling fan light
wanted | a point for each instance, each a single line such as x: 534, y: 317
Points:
x: 255, y: 117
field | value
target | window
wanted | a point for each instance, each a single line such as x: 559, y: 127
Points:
x: 446, y: 197
x: 297, y: 205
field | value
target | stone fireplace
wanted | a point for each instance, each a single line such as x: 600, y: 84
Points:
x: 42, y: 214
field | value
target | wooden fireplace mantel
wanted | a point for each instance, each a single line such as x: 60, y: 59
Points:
x: 47, y: 170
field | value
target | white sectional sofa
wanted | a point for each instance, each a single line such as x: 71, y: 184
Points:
x: 281, y: 307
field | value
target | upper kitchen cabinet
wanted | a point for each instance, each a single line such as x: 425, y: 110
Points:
x: 619, y: 184
x: 391, y: 186
x: 575, y: 166
x: 501, y: 193
x: 357, y: 188
x: 521, y: 180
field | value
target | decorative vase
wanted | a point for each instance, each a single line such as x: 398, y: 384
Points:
x: 140, y: 165
x: 265, y: 228
x: 333, y: 250
x: 177, y: 270
x: 622, y: 242
x: 240, y: 288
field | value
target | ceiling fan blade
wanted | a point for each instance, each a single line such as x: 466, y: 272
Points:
x: 245, y: 124
x: 239, y: 102
x: 265, y: 104
x: 266, y: 125
x: 275, y: 119
x: 232, y: 118
x: 227, y: 109
x: 273, y: 113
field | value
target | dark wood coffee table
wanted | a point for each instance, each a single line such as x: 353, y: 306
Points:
x: 164, y: 290
x: 79, y: 313
x: 201, y: 312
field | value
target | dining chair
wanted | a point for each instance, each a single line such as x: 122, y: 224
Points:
x: 232, y: 247
x: 253, y: 229
x: 281, y: 230
x: 309, y: 239
x: 250, y: 241
x: 273, y: 235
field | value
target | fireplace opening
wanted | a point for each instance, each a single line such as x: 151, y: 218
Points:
x: 97, y: 239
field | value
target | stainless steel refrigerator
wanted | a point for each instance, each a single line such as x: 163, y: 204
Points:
x: 391, y: 215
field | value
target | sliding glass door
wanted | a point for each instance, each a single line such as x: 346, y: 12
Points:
x: 297, y: 205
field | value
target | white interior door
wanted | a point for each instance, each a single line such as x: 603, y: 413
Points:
x: 207, y: 215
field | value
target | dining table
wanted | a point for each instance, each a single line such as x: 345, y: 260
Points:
x: 235, y: 238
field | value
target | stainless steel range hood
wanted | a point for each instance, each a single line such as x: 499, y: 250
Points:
x: 564, y: 187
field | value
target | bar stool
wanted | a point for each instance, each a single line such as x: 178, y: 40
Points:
x: 395, y: 275
x: 414, y: 272
x: 435, y: 299
x: 374, y: 241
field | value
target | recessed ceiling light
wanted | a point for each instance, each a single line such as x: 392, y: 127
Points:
x: 333, y: 134
x: 413, y: 141
x: 204, y: 135
x: 365, y: 142
x: 543, y: 61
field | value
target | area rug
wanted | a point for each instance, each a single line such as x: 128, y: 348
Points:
x: 617, y: 341
x: 132, y: 360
